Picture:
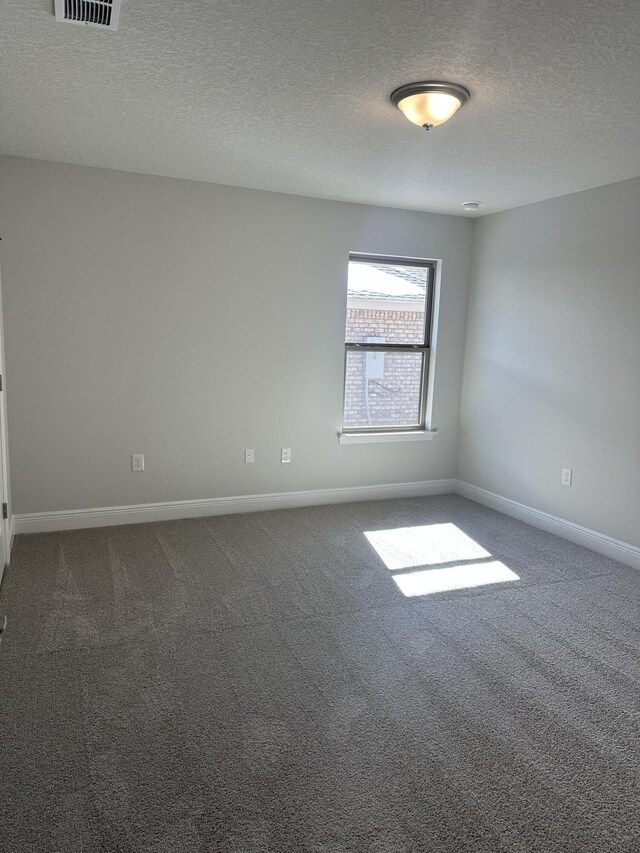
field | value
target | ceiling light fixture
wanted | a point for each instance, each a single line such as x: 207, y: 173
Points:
x: 471, y: 205
x: 429, y: 104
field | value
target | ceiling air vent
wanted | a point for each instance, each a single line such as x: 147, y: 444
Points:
x: 90, y: 13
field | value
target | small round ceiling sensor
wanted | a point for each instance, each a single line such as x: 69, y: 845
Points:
x: 471, y: 205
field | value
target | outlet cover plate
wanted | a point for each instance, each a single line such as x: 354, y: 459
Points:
x: 137, y: 461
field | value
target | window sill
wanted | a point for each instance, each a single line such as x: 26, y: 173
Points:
x: 376, y: 437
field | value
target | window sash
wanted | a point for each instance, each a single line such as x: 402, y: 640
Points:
x: 383, y: 347
x: 429, y: 266
x: 422, y: 404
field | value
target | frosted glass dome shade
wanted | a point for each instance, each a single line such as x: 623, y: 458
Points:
x: 429, y: 104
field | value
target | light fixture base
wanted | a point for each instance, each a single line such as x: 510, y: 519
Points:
x: 454, y: 89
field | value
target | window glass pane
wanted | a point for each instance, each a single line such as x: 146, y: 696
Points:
x: 386, y: 303
x: 382, y: 389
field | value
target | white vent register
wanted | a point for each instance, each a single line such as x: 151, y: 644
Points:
x: 90, y: 13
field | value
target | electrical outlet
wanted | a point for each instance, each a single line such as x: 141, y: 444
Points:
x: 249, y: 455
x: 137, y: 461
x: 566, y: 477
x: 285, y: 454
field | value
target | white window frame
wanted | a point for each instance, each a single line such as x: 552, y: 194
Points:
x: 424, y: 431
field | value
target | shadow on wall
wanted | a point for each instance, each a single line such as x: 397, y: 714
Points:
x: 454, y: 560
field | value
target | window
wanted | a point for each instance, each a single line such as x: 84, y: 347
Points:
x: 388, y: 331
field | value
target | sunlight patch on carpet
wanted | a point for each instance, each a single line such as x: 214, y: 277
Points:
x: 454, y: 577
x: 427, y: 545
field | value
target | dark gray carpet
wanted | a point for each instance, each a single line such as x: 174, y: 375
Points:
x: 259, y: 683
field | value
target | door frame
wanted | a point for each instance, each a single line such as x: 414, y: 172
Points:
x: 7, y: 525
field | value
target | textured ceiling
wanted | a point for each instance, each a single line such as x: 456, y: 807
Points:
x: 292, y: 95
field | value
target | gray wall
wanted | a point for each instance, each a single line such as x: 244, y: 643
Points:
x: 189, y: 321
x: 552, y: 360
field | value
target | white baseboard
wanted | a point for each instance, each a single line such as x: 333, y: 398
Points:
x: 75, y: 519
x: 5, y: 557
x: 591, y: 539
